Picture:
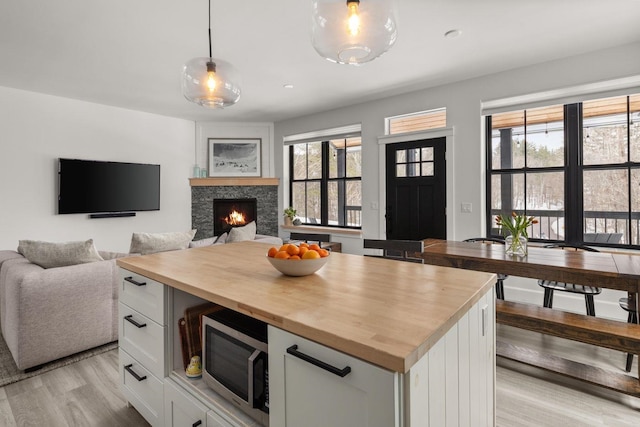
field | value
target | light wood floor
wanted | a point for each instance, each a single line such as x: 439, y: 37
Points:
x: 86, y: 393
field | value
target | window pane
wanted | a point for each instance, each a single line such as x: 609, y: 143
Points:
x: 314, y: 154
x: 496, y: 192
x: 300, y: 161
x: 427, y: 153
x: 604, y: 131
x: 634, y: 110
x: 606, y: 201
x: 332, y: 188
x: 299, y: 197
x: 336, y: 158
x: 545, y: 136
x: 517, y: 193
x: 354, y: 158
x: 635, y: 209
x: 413, y: 155
x: 427, y: 169
x: 313, y: 213
x: 413, y: 169
x: 507, y: 140
x: 545, y: 200
x: 354, y: 203
x: 401, y: 156
x: 420, y: 121
x: 401, y: 171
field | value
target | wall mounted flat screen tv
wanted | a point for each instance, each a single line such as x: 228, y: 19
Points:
x: 90, y: 186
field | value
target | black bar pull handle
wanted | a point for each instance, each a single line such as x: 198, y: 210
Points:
x: 132, y: 372
x: 197, y: 423
x: 293, y: 350
x: 129, y: 319
x: 131, y: 280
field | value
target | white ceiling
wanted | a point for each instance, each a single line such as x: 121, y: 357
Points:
x: 130, y: 53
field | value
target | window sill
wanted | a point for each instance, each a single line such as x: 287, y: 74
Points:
x: 321, y: 229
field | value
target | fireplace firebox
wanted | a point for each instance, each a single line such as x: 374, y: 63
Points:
x: 229, y: 213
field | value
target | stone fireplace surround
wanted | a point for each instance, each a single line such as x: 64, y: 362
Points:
x: 205, y: 190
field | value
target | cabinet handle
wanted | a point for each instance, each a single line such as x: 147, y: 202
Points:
x: 197, y: 423
x: 130, y: 280
x: 293, y: 350
x: 132, y: 372
x: 129, y: 319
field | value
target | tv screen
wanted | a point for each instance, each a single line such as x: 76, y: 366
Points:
x: 89, y: 186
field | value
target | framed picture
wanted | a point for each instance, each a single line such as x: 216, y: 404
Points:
x: 234, y: 156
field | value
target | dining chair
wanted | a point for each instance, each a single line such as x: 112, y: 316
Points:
x: 310, y: 237
x: 501, y: 277
x: 628, y: 304
x: 401, y: 250
x: 551, y: 285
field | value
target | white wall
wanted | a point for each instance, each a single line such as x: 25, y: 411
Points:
x: 36, y: 129
x: 264, y: 131
x: 463, y: 101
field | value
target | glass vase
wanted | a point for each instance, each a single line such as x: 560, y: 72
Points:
x: 516, y: 245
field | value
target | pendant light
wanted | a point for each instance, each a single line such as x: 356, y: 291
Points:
x: 210, y: 82
x: 353, y: 31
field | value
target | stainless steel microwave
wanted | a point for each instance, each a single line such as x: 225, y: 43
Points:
x: 235, y: 361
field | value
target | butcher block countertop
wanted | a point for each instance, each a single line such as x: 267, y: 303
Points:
x: 389, y: 313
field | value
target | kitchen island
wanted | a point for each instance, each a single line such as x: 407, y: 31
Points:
x: 430, y: 328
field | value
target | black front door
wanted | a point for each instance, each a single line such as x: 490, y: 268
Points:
x: 416, y: 190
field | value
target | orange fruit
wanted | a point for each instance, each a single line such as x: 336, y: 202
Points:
x: 303, y: 249
x: 272, y: 251
x: 284, y: 247
x: 314, y: 246
x: 323, y: 253
x: 294, y: 257
x: 311, y: 254
x: 282, y: 255
x: 304, y: 245
x: 293, y: 250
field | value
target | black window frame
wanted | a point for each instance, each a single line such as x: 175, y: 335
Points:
x: 574, y: 168
x: 325, y: 180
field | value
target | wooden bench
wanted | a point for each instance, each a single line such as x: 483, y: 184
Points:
x: 611, y: 334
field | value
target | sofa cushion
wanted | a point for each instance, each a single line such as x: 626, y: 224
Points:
x: 215, y: 240
x: 149, y: 243
x: 240, y: 234
x: 51, y: 254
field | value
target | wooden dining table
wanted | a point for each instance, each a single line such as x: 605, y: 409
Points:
x: 611, y: 270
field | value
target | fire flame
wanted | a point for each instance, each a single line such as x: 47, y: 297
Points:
x: 235, y: 218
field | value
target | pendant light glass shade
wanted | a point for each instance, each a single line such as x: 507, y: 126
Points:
x: 352, y: 31
x: 210, y: 82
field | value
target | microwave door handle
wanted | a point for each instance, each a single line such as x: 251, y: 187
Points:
x: 251, y: 364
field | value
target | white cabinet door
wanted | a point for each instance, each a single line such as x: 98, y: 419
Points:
x: 182, y: 409
x: 303, y: 390
x: 215, y: 420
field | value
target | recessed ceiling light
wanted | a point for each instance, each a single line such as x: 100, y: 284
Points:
x: 452, y: 34
x: 288, y: 86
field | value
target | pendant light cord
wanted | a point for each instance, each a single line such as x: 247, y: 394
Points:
x: 210, y: 55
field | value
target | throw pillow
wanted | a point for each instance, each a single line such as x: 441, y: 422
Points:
x: 215, y: 240
x: 150, y: 243
x: 51, y: 254
x: 239, y: 234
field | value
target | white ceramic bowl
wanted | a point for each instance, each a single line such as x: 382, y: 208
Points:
x: 302, y: 267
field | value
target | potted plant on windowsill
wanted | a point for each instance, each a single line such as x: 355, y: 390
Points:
x: 289, y: 215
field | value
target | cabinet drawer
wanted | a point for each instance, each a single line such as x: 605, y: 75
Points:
x: 143, y: 339
x: 144, y: 393
x: 143, y: 295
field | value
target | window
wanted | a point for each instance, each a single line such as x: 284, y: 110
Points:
x: 576, y: 167
x: 424, y: 120
x: 326, y: 182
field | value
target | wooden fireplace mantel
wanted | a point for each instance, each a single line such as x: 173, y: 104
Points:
x: 212, y: 182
